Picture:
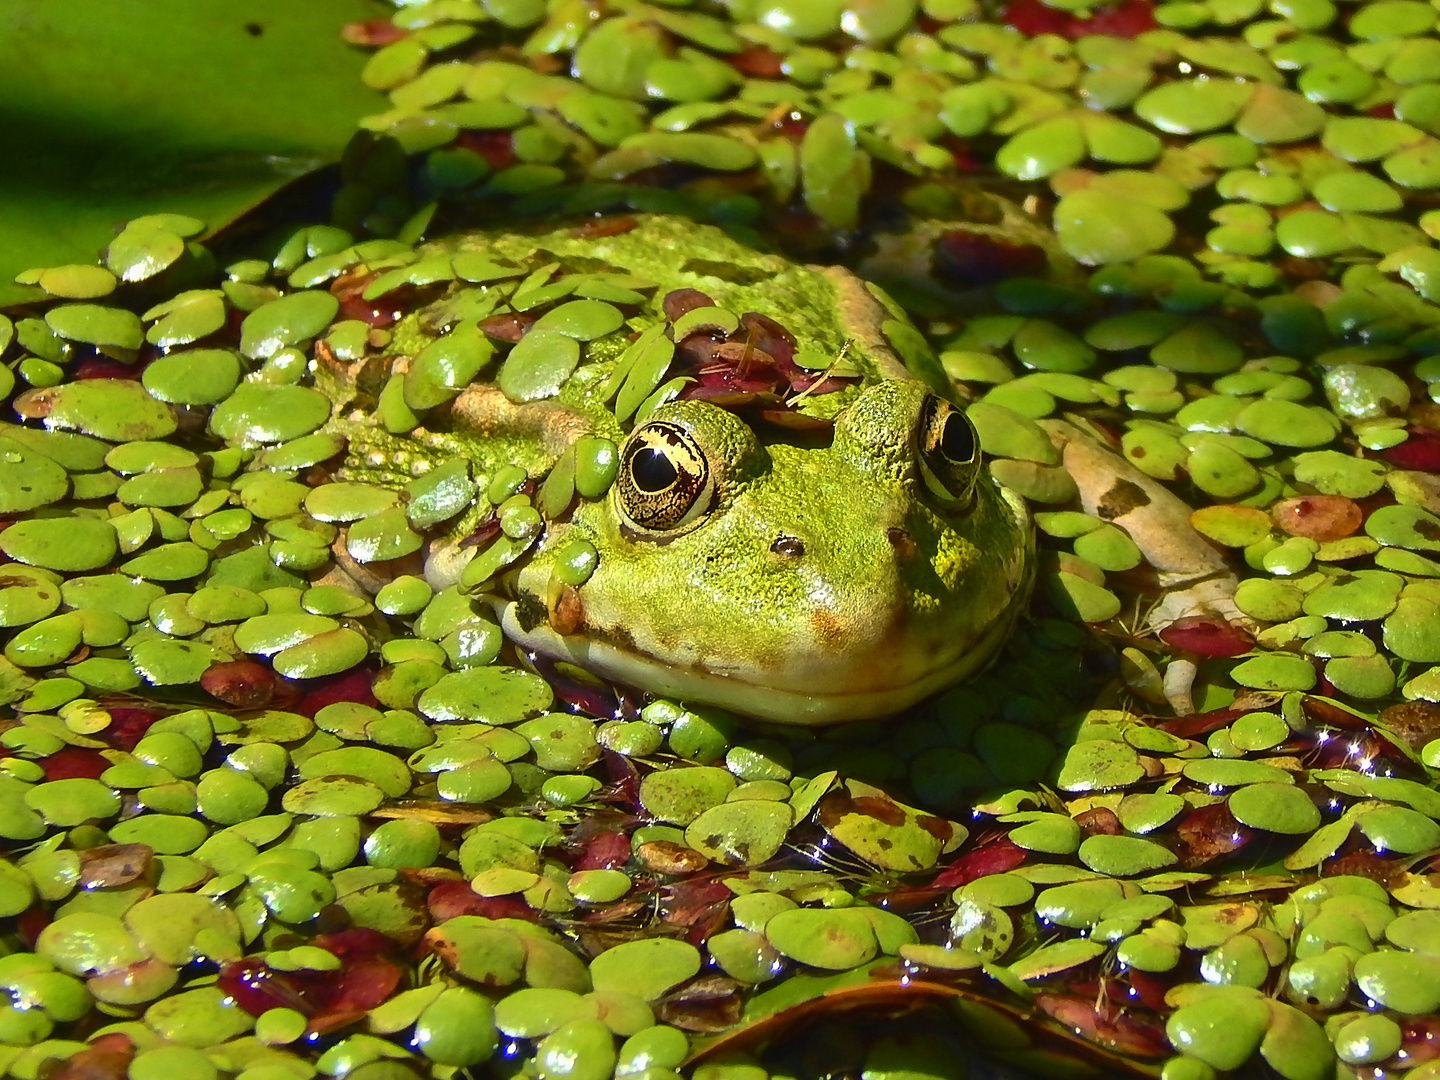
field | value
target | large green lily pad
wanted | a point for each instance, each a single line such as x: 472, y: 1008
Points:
x: 200, y: 107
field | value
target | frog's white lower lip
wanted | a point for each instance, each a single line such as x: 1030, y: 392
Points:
x: 762, y: 702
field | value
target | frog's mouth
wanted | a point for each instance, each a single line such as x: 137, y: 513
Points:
x: 735, y: 692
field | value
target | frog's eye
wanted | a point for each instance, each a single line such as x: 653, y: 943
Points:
x: 949, y: 453
x: 664, y: 482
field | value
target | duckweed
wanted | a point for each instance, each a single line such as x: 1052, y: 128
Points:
x: 452, y: 812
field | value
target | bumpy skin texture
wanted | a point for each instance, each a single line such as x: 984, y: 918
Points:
x: 886, y: 599
x: 880, y: 596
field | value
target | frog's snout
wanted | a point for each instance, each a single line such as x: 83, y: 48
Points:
x: 901, y: 541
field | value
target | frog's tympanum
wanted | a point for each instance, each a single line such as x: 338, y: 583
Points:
x: 805, y: 534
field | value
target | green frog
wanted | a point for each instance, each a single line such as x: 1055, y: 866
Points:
x: 800, y: 529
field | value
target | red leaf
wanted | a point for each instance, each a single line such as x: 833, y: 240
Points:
x: 689, y: 902
x: 1206, y: 833
x: 996, y: 857
x: 241, y: 683
x: 349, y: 289
x: 496, y: 147
x: 1363, y: 864
x: 1197, y: 724
x: 372, y: 32
x: 1319, y: 517
x: 678, y: 302
x: 452, y: 898
x: 74, y: 763
x: 1207, y: 636
x: 758, y: 62
x: 107, y: 1057
x: 1124, y: 20
x: 128, y: 726
x: 257, y: 989
x: 604, y: 851
x: 1099, y: 821
x: 1106, y: 1025
x: 29, y: 923
x: 1420, y: 1039
x: 1420, y: 451
x: 350, y: 686
x: 1148, y: 988
x: 509, y: 327
x: 1033, y: 18
x: 367, y: 977
x: 102, y: 367
x: 972, y: 259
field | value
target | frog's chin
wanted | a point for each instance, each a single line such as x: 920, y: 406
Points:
x: 754, y: 699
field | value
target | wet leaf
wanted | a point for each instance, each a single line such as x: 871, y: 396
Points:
x: 171, y: 90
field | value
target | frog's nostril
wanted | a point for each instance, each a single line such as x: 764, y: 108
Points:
x: 788, y: 545
x: 902, y: 542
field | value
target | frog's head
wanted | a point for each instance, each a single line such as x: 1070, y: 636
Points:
x: 797, y: 584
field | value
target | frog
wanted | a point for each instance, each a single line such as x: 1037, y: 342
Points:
x: 844, y: 563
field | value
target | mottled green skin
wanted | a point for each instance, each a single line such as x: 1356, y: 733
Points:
x: 892, y: 598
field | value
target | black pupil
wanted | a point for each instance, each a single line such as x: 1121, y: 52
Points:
x: 652, y: 470
x: 956, y: 441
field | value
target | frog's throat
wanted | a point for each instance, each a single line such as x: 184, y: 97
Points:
x: 756, y: 700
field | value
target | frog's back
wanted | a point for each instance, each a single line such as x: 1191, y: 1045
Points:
x: 648, y: 269
x: 827, y: 309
